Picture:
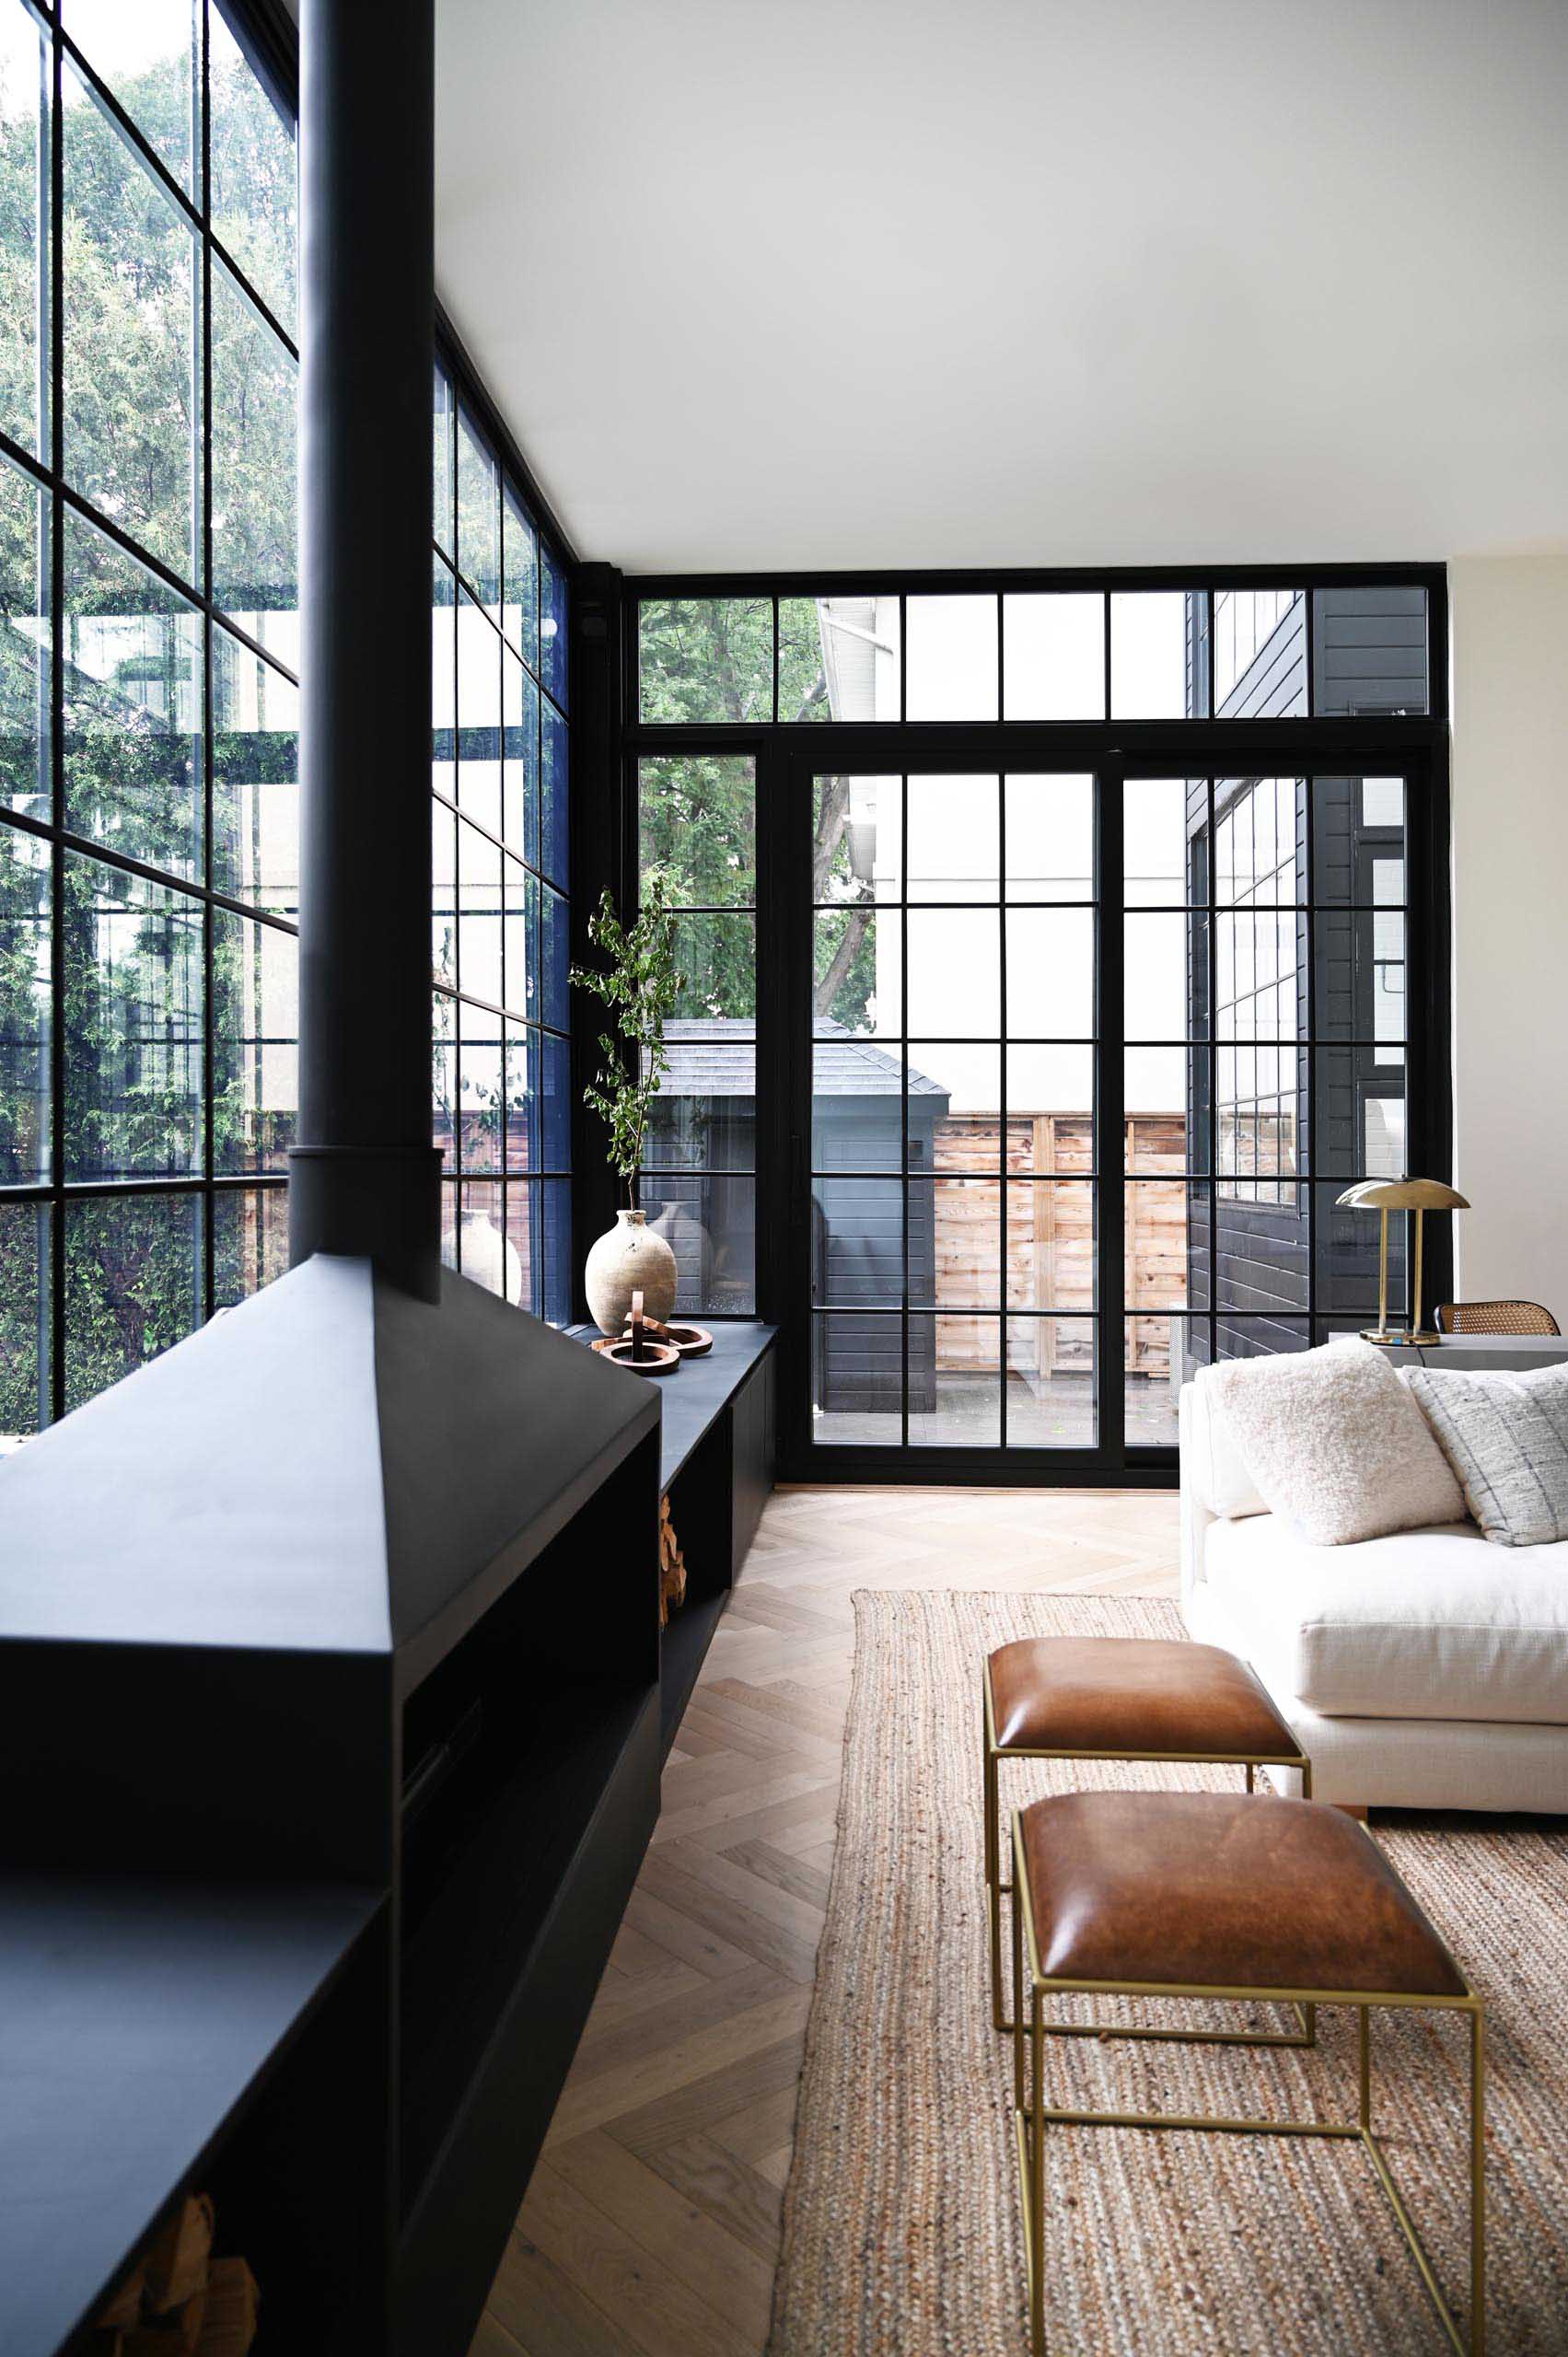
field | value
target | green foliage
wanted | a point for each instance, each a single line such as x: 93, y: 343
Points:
x: 640, y: 984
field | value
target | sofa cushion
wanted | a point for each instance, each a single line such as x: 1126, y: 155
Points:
x: 1429, y: 1624
x: 1336, y: 1443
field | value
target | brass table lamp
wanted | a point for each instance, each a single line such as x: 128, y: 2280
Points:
x: 1386, y: 1195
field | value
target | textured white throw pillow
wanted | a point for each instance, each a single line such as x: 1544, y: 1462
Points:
x: 1336, y: 1443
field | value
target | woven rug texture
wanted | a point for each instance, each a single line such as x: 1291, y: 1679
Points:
x: 901, y: 2232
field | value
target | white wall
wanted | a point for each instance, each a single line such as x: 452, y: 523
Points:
x: 1509, y: 618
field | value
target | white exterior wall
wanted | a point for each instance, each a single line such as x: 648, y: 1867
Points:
x: 1509, y: 622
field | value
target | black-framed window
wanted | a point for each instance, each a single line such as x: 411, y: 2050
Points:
x: 148, y: 688
x: 501, y: 1047
x: 1253, y: 1077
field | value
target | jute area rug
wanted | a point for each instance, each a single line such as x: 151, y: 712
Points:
x: 902, y: 2235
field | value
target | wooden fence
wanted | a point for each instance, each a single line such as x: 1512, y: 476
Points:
x: 1051, y: 1238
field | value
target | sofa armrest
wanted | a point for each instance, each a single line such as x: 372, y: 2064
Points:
x: 1196, y: 1515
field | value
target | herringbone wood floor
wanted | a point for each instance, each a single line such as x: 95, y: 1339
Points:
x: 652, y: 2223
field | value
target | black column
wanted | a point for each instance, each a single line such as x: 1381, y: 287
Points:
x: 365, y: 1178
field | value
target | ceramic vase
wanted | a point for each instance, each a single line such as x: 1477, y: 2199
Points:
x: 629, y: 1258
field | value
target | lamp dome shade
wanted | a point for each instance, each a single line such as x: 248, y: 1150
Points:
x: 1402, y: 1195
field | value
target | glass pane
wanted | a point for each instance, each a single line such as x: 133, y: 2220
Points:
x: 25, y: 1291
x: 857, y: 1382
x: 479, y: 515
x: 1164, y: 1091
x: 130, y: 354
x: 132, y: 1285
x: 521, y: 1081
x: 134, y: 997
x: 1156, y: 670
x: 857, y: 969
x: 555, y: 958
x: 1165, y: 974
x: 1259, y: 653
x: 483, y: 1246
x: 449, y: 1225
x: 1156, y: 1214
x: 955, y: 1382
x: 255, y: 1044
x: 134, y: 692
x: 554, y: 1061
x: 1369, y: 650
x: 481, y: 1092
x: 1260, y: 1247
x: 1155, y: 1363
x: 254, y: 193
x: 955, y: 1242
x: 443, y: 682
x: 858, y: 1241
x: 1257, y: 1113
x: 1050, y: 837
x: 444, y: 1078
x: 25, y: 1005
x: 705, y: 659
x: 838, y: 658
x: 1360, y: 1114
x: 24, y: 660
x: 1260, y: 841
x: 250, y: 1241
x: 708, y: 1220
x: 951, y: 659
x: 23, y: 121
x: 555, y: 650
x: 858, y: 839
x: 556, y: 1203
x: 1051, y: 973
x: 524, y: 1262
x: 1054, y: 650
x: 954, y: 972
x: 444, y: 424
x: 855, y: 1105
x: 1051, y: 1383
x: 1161, y: 819
x: 955, y: 1100
x: 519, y: 577
x: 1248, y: 1338
x: 1051, y: 1243
x: 953, y: 847
x: 255, y: 387
x: 1050, y: 1109
x: 553, y: 844
x: 704, y: 1117
x: 255, y: 779
x: 1259, y: 978
x: 443, y: 893
x: 697, y: 822
x: 717, y: 957
x: 478, y: 715
x: 1361, y: 975
x: 478, y: 915
x: 1358, y: 840
x: 147, y: 55
x: 521, y: 938
x: 519, y: 757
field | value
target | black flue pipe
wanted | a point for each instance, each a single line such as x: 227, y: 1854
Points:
x: 365, y: 1178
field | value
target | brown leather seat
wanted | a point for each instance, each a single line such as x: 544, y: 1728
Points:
x: 1130, y: 1694
x: 1221, y: 1890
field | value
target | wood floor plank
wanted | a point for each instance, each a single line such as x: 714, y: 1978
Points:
x: 651, y: 2228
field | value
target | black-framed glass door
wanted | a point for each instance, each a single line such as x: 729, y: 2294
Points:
x: 1080, y: 1060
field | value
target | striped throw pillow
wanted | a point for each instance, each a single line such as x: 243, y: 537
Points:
x: 1505, y: 1434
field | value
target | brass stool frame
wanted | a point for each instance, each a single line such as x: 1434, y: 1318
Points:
x: 1031, y: 2115
x: 996, y: 1889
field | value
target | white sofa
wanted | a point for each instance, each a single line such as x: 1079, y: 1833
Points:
x: 1428, y: 1670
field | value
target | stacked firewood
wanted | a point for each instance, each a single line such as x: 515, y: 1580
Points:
x: 179, y: 2301
x: 671, y: 1567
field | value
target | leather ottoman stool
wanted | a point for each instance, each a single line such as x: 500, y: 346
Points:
x: 1205, y: 1895
x: 1124, y: 1697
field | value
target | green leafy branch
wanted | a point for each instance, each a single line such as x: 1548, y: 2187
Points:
x: 641, y: 985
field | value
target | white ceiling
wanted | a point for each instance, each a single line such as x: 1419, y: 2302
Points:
x: 876, y: 282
